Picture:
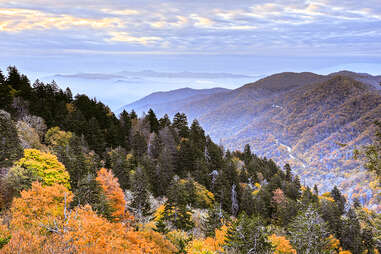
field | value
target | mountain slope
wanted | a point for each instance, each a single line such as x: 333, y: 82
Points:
x: 301, y: 119
x: 161, y: 100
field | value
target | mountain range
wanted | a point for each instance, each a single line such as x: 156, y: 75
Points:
x: 313, y: 122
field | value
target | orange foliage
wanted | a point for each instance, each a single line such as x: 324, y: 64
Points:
x: 209, y: 244
x: 42, y: 224
x: 114, y: 194
x: 281, y: 245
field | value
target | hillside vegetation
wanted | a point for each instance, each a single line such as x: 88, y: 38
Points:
x: 77, y: 179
x: 313, y: 122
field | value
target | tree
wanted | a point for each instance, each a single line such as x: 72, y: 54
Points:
x: 37, y: 165
x: 126, y: 124
x: 177, y: 212
x: 247, y: 235
x: 113, y: 193
x: 247, y: 154
x: 351, y: 238
x: 153, y: 122
x: 18, y: 82
x: 164, y: 121
x: 180, y: 122
x: 214, y: 220
x: 6, y: 93
x: 10, y: 148
x: 139, y: 145
x: 308, y: 232
x: 140, y: 202
x: 43, y: 223
x: 281, y: 245
x: 372, y: 153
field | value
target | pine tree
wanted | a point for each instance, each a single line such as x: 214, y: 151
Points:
x: 214, y: 219
x: 140, y: 202
x: 351, y: 238
x: 125, y: 123
x: 10, y: 148
x: 180, y: 122
x: 287, y: 168
x: 6, y: 97
x: 308, y: 232
x: 164, y: 121
x: 247, y: 154
x: 153, y: 122
x: 177, y: 211
x: 247, y: 235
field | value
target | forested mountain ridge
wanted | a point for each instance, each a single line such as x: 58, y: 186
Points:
x: 301, y: 119
x: 168, y: 188
x: 163, y: 100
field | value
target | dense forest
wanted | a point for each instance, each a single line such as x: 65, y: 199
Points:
x: 75, y: 178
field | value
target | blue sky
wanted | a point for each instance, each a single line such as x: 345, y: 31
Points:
x: 44, y: 38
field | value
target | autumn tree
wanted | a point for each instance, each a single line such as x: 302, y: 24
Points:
x: 37, y: 165
x: 113, y: 193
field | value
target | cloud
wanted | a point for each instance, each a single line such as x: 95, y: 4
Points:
x: 137, y: 75
x: 295, y: 27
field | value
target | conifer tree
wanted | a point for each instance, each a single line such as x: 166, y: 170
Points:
x: 308, y: 232
x: 247, y: 235
x: 177, y: 211
x: 164, y: 121
x: 153, y: 122
x: 215, y: 218
x: 10, y: 148
x: 180, y: 122
x: 140, y: 202
x: 351, y: 238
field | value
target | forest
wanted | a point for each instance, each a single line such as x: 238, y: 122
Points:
x: 76, y: 178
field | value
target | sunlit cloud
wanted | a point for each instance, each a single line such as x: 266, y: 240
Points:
x: 291, y: 26
x: 17, y: 20
x: 126, y: 37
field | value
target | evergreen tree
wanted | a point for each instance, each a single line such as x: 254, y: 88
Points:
x: 180, y: 122
x: 351, y: 238
x: 164, y: 121
x: 247, y: 154
x: 287, y: 168
x: 177, y: 211
x: 139, y: 145
x: 133, y: 115
x: 88, y: 191
x: 247, y: 235
x: 117, y: 161
x: 10, y: 148
x: 308, y: 232
x: 339, y: 199
x: 6, y: 96
x: 215, y: 218
x: 153, y: 122
x: 125, y: 123
x: 140, y: 202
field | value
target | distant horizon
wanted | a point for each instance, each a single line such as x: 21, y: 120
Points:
x: 123, y: 93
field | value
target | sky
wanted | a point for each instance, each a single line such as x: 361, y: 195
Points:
x: 119, y: 51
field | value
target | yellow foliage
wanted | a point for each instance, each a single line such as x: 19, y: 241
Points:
x: 333, y: 243
x: 46, y: 166
x: 55, y: 137
x: 203, y: 196
x: 281, y: 245
x: 159, y: 212
x: 209, y: 244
